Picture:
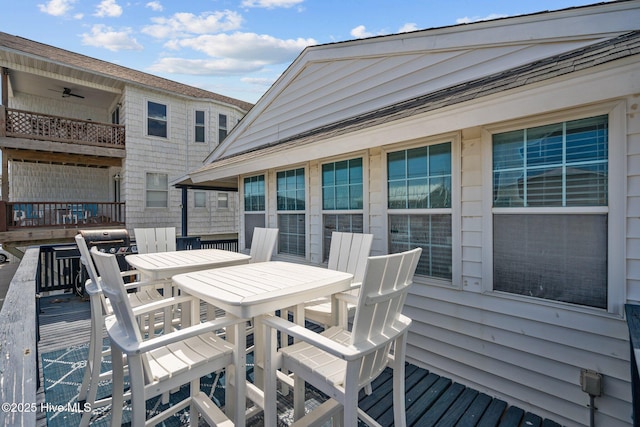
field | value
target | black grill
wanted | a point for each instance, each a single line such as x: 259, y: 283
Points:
x: 115, y: 241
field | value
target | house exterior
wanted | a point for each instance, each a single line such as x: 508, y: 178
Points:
x: 85, y: 142
x: 509, y: 150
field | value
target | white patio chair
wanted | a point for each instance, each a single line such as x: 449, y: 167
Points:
x: 339, y: 362
x: 100, y: 307
x: 163, y: 363
x: 263, y: 243
x: 161, y: 239
x: 348, y: 253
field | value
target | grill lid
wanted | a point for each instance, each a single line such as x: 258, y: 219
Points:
x: 111, y: 237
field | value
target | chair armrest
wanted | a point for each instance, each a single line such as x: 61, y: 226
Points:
x: 348, y: 353
x: 347, y: 297
x: 135, y: 285
x: 320, y: 341
x: 161, y: 303
x: 129, y: 346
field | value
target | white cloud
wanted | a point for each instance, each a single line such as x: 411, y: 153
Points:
x: 408, y: 27
x: 271, y: 4
x: 258, y: 81
x: 360, y: 32
x: 108, y: 38
x: 231, y: 54
x: 155, y: 6
x: 219, y: 67
x: 56, y: 7
x: 246, y: 46
x: 108, y: 8
x: 181, y: 24
x: 468, y: 20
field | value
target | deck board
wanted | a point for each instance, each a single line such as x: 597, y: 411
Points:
x: 431, y: 400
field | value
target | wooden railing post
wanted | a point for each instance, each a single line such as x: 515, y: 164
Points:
x: 3, y: 216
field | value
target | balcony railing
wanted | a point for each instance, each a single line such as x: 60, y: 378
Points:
x: 30, y: 125
x: 19, y: 215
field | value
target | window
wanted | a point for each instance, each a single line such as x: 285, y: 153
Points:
x: 222, y: 127
x: 342, y: 199
x: 156, y: 119
x: 200, y: 129
x: 550, y: 211
x: 254, y: 207
x: 419, y: 206
x: 115, y: 116
x: 199, y: 199
x: 157, y: 185
x: 223, y: 200
x: 290, y: 189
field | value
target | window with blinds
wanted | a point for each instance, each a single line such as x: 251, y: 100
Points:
x: 550, y: 211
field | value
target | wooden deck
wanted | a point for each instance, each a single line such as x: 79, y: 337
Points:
x: 432, y: 400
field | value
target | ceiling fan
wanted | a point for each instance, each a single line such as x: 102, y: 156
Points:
x: 66, y: 93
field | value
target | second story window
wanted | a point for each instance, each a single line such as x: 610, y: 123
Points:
x: 200, y: 128
x: 156, y: 119
x: 222, y: 127
x: 157, y: 188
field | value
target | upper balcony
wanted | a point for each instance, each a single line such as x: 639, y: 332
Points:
x: 28, y: 130
x: 30, y: 125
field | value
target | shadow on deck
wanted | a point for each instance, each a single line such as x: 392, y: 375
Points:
x: 431, y: 400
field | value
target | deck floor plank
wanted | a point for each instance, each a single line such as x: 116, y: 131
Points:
x: 431, y: 400
x: 512, y: 417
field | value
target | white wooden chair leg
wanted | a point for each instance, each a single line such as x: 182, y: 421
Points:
x: 118, y: 387
x: 136, y: 380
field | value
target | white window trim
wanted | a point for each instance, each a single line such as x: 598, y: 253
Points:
x: 455, y: 210
x: 616, y: 292
x: 146, y: 119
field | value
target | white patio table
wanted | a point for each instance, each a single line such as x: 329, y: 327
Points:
x: 250, y: 291
x: 163, y: 265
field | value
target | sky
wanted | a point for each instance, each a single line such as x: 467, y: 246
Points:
x: 236, y: 48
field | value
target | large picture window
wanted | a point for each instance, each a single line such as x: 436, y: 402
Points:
x: 550, y: 216
x: 156, y: 119
x: 290, y: 189
x: 342, y: 200
x: 419, y: 206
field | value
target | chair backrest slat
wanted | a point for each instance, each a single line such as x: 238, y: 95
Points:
x: 150, y: 240
x: 349, y: 253
x: 263, y: 244
x: 382, y: 297
x: 87, y: 261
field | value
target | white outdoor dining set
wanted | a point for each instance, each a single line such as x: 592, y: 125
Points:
x: 183, y: 315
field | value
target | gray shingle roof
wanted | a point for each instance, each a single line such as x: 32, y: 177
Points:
x: 554, y: 66
x: 79, y: 61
